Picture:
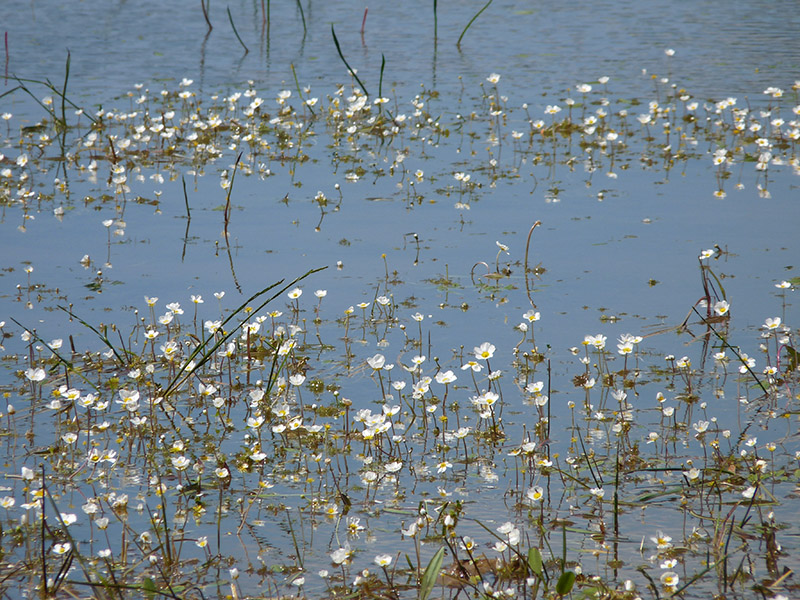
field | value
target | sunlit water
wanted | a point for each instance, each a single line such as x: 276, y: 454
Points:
x: 619, y: 254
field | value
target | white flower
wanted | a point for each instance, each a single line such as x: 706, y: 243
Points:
x: 485, y: 351
x: 340, y: 556
x: 670, y: 579
x: 661, y: 540
x: 35, y: 375
x: 721, y: 308
x: 383, y: 560
x: 535, y: 494
x: 445, y: 377
x: 180, y: 462
x: 531, y: 316
x: 377, y: 361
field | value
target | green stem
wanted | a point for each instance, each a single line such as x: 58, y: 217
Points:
x: 230, y: 18
x: 344, y: 60
x: 471, y: 21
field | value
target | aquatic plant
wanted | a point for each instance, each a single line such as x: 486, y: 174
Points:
x: 354, y: 447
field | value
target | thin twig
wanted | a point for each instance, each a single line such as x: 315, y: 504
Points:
x: 186, y: 199
x: 205, y: 14
x: 228, y: 198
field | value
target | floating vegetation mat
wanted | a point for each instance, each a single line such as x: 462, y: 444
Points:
x: 282, y: 445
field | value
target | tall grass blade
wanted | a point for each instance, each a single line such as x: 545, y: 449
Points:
x: 471, y: 21
x: 732, y: 349
x: 64, y: 95
x: 299, y: 91
x: 103, y: 337
x: 344, y: 60
x: 207, y: 354
x: 230, y: 18
x: 67, y: 364
x: 302, y: 16
x: 380, y: 81
x: 435, y: 21
x: 22, y: 81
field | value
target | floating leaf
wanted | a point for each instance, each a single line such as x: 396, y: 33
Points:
x: 565, y: 583
x: 535, y: 561
x: 149, y: 587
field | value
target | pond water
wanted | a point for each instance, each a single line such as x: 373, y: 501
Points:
x: 227, y: 447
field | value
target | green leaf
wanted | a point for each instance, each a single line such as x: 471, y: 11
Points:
x: 430, y: 574
x: 149, y: 587
x: 565, y: 583
x: 794, y: 357
x: 535, y: 561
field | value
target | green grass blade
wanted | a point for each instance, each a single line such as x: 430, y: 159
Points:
x: 299, y: 91
x: 67, y: 364
x: 103, y: 337
x: 344, y: 60
x: 380, y: 81
x: 302, y: 16
x: 230, y: 18
x: 64, y: 94
x: 435, y: 20
x: 22, y: 81
x: 471, y: 21
x: 183, y: 374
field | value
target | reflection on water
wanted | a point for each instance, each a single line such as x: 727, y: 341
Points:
x: 735, y: 50
x: 405, y: 397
